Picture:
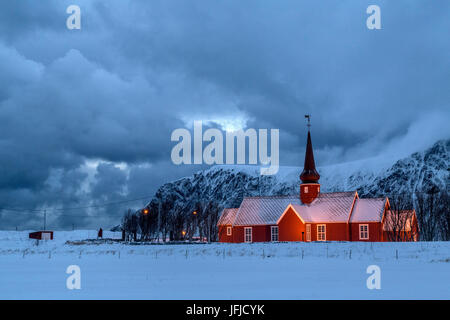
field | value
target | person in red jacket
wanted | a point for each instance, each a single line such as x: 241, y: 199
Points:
x: 100, y: 233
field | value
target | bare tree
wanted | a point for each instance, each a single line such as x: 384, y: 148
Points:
x: 444, y: 215
x: 399, y: 221
x: 209, y: 219
x: 164, y: 211
x: 147, y: 219
x: 427, y: 209
x: 176, y: 221
x: 200, y: 209
x: 130, y: 225
x: 191, y: 221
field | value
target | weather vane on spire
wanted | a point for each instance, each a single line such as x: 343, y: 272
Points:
x: 308, y: 116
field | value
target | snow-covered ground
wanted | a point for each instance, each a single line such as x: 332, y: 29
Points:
x: 220, y: 271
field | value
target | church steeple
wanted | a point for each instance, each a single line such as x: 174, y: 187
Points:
x: 309, y: 173
x: 310, y: 187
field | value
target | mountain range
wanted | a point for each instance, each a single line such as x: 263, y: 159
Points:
x: 227, y: 185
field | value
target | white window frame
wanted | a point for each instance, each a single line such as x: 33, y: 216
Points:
x: 250, y: 234
x: 324, y: 233
x: 272, y: 233
x: 306, y: 189
x: 229, y: 231
x: 363, y: 234
x: 308, y: 232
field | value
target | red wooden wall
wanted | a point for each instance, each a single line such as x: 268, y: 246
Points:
x: 375, y: 231
x: 223, y: 237
x: 290, y: 227
x: 260, y: 233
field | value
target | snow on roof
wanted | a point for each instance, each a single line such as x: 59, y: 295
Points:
x: 263, y: 210
x: 327, y: 207
x: 227, y: 217
x: 368, y: 210
x: 398, y: 220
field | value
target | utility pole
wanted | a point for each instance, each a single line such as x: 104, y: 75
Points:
x: 159, y: 219
x: 45, y: 220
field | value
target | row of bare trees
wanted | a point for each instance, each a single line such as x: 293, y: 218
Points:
x: 168, y: 221
x: 172, y: 220
x: 432, y: 212
x: 433, y: 215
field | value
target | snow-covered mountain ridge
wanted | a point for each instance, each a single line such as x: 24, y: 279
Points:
x: 227, y: 185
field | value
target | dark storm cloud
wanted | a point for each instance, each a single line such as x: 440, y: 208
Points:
x: 86, y: 115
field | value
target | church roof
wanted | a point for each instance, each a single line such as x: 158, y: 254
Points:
x: 263, y: 210
x: 368, y: 210
x: 327, y: 207
x: 227, y: 217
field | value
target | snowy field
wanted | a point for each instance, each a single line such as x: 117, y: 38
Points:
x: 220, y: 271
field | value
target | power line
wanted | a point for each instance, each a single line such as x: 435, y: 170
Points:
x: 349, y: 194
x: 74, y: 208
x: 324, y: 194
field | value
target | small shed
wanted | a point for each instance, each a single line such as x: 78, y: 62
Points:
x: 41, y: 235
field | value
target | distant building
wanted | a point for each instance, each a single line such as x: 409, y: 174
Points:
x: 316, y: 216
x: 41, y: 235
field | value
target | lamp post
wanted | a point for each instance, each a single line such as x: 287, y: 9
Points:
x: 195, y: 222
x: 145, y: 212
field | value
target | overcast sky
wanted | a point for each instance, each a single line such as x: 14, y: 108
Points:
x: 86, y: 115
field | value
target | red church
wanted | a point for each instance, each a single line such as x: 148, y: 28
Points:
x: 316, y: 216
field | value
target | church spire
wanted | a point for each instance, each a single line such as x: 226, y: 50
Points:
x: 310, y: 187
x: 309, y: 174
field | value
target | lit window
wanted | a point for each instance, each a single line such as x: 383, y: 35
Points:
x: 228, y: 231
x: 248, y: 234
x: 274, y: 233
x: 308, y: 232
x: 321, y: 232
x: 306, y: 189
x: 363, y: 232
